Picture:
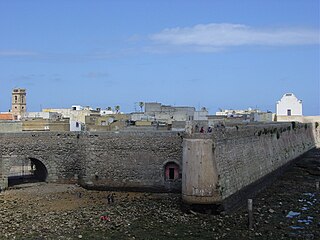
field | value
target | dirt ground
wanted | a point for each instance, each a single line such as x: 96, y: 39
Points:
x: 288, y: 209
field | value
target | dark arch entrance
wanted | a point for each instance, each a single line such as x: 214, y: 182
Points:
x: 171, y: 171
x: 172, y: 177
x: 39, y: 170
x: 28, y: 170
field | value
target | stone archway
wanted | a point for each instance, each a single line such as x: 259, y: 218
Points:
x: 40, y: 171
x: 26, y: 170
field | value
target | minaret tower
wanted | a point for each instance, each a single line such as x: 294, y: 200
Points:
x: 19, y: 104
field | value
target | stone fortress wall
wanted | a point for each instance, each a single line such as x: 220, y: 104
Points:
x: 212, y: 167
x: 247, y: 154
x: 105, y: 160
x: 61, y: 154
x: 131, y: 160
x: 216, y: 168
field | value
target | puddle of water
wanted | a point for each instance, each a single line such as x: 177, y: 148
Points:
x: 296, y: 227
x: 292, y: 214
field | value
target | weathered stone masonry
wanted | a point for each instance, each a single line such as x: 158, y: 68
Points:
x: 132, y: 160
x: 101, y: 160
x: 239, y: 156
x: 213, y: 167
x: 60, y: 153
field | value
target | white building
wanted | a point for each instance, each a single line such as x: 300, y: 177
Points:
x: 201, y: 115
x: 76, y: 114
x: 43, y: 115
x: 235, y: 112
x: 168, y: 114
x: 104, y: 112
x: 289, y: 105
x: 76, y: 126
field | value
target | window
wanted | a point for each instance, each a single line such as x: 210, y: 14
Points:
x: 15, y: 98
x: 288, y: 112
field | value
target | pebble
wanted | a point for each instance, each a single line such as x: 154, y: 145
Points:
x: 42, y: 213
x: 271, y: 210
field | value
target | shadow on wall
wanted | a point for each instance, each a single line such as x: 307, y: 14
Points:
x: 27, y: 171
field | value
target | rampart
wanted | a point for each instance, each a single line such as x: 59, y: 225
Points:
x: 127, y: 160
x: 208, y: 168
x: 132, y: 160
x: 221, y: 167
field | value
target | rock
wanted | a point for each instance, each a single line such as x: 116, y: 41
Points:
x: 271, y: 210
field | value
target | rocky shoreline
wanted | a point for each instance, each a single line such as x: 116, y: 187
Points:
x: 288, y: 209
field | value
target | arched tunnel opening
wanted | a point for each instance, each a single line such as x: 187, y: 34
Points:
x: 29, y: 170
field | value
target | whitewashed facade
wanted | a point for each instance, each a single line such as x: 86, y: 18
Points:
x: 289, y: 105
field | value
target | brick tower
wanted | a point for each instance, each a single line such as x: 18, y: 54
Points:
x: 19, y: 104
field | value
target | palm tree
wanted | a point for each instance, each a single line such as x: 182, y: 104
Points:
x: 117, y: 108
x: 141, y: 104
x: 109, y: 108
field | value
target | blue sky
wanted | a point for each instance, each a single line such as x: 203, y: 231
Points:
x: 217, y: 54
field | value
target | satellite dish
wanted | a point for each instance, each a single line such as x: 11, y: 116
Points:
x: 110, y: 120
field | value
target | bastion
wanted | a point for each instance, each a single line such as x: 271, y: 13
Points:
x: 207, y: 168
x: 233, y: 163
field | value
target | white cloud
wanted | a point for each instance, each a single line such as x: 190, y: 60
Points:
x: 217, y: 36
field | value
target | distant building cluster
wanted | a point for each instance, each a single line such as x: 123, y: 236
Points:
x: 247, y: 115
x: 154, y: 117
